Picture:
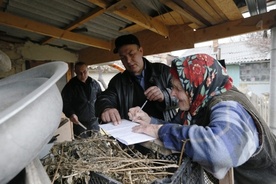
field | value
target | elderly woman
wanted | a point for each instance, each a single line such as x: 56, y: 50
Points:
x: 216, y: 123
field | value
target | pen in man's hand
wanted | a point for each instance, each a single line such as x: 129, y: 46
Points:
x: 143, y: 105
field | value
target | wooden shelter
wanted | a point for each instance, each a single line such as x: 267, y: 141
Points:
x: 89, y: 27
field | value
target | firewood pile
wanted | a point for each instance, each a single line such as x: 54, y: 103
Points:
x: 71, y: 162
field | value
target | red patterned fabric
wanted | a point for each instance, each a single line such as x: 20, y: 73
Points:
x: 202, y: 77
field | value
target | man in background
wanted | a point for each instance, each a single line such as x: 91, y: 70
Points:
x: 79, y: 96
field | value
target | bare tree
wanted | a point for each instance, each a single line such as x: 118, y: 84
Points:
x: 261, y: 40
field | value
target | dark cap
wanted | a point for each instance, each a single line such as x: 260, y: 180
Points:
x: 125, y: 40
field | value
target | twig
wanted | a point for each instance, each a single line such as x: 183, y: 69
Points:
x: 182, y: 151
x: 71, y: 175
x: 78, y: 158
x: 57, y: 167
x: 144, y: 168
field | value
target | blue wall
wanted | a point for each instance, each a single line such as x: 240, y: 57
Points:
x: 234, y: 72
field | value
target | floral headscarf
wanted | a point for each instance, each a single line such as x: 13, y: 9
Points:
x: 202, y: 77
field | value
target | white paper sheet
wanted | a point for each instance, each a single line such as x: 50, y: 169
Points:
x: 123, y: 132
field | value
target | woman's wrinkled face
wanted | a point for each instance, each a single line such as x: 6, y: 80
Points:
x: 180, y: 94
x: 132, y: 58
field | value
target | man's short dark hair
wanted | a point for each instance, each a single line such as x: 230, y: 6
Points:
x: 79, y: 63
x: 125, y: 40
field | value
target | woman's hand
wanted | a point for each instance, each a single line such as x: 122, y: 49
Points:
x: 136, y: 114
x: 149, y: 129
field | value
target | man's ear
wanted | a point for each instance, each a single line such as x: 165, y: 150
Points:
x: 141, y: 50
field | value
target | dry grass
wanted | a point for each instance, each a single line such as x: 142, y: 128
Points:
x: 71, y: 162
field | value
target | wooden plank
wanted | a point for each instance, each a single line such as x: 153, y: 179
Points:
x: 228, y: 178
x: 181, y: 11
x: 87, y: 17
x: 210, y: 11
x: 184, y: 37
x: 91, y: 15
x: 35, y: 173
x: 101, y: 3
x: 152, y: 43
x: 233, y: 28
x: 128, y: 11
x: 217, y: 9
x: 229, y: 8
x: 170, y: 18
x: 11, y: 20
x: 200, y: 10
x: 1, y: 3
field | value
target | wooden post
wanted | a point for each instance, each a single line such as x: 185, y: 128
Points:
x: 229, y: 177
x: 36, y: 174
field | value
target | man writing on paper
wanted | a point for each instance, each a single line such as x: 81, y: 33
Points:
x: 140, y: 81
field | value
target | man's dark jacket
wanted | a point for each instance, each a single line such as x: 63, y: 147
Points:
x: 120, y: 92
x: 79, y: 98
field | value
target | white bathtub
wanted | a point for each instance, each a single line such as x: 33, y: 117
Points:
x: 30, y: 112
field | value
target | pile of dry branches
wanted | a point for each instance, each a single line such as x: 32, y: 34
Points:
x: 71, y: 162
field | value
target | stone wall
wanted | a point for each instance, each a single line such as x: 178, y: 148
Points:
x: 19, y: 53
x: 255, y: 72
x: 17, y: 62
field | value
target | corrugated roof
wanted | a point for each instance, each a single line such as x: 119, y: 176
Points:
x: 107, y: 19
x: 62, y: 14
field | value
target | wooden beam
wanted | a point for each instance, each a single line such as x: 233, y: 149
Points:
x: 87, y: 17
x: 127, y: 10
x: 1, y: 3
x: 8, y: 19
x: 255, y: 23
x: 199, y: 10
x: 92, y: 14
x: 184, y: 37
x: 183, y: 12
x: 181, y: 37
x: 172, y: 18
x: 169, y: 19
x: 151, y: 42
x: 228, y: 178
x: 229, y: 8
x: 101, y: 3
x: 217, y: 9
x: 211, y: 11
